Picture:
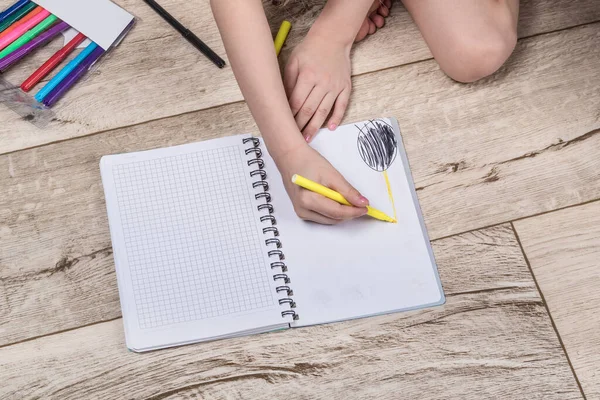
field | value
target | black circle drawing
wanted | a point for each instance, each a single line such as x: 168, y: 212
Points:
x: 377, y: 144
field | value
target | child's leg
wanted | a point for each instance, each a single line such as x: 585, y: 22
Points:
x: 470, y: 39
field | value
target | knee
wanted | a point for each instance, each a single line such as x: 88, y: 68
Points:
x: 477, y: 56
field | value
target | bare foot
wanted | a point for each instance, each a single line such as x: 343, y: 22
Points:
x: 375, y: 19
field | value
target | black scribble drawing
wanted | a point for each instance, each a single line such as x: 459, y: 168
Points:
x: 377, y: 144
x: 378, y: 147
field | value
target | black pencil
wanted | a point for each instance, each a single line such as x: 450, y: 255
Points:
x: 186, y: 33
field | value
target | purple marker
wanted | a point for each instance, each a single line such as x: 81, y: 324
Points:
x: 29, y: 47
x: 73, y: 77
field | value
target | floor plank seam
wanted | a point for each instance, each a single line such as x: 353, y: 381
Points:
x: 510, y: 221
x: 490, y: 290
x: 533, y: 35
x: 58, y: 332
x: 548, y: 311
x: 561, y: 144
x: 121, y: 127
x: 393, y: 66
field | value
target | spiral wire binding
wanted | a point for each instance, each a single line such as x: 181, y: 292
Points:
x: 272, y: 242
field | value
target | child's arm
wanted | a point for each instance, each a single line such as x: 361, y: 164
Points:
x: 247, y: 37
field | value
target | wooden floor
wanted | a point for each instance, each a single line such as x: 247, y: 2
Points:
x: 508, y: 177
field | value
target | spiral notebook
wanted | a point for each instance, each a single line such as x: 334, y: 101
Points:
x: 207, y: 244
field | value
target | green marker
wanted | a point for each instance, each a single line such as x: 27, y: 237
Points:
x: 17, y: 16
x: 29, y: 36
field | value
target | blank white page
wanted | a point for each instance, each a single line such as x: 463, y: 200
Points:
x: 363, y: 267
x: 100, y: 20
x: 189, y: 250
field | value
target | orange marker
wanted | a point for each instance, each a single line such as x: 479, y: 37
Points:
x: 26, y: 18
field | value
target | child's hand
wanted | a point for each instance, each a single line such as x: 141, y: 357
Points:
x: 317, y: 79
x: 307, y: 162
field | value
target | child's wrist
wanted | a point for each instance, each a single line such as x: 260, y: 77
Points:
x: 280, y: 154
x: 327, y: 31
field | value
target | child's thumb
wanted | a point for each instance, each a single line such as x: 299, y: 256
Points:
x: 350, y: 193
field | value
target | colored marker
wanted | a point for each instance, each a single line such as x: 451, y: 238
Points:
x: 17, y: 17
x: 73, y: 77
x: 335, y: 196
x: 34, y: 44
x: 23, y: 28
x: 284, y: 29
x: 63, y: 73
x: 187, y: 34
x: 29, y: 36
x: 20, y: 22
x: 52, y: 63
x: 12, y: 9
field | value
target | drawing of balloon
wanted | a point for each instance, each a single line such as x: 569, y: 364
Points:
x: 377, y: 144
x: 378, y: 147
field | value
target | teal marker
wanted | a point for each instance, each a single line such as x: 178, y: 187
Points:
x: 17, y: 16
x: 65, y: 72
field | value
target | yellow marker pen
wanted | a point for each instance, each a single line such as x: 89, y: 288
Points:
x: 335, y: 196
x: 284, y: 29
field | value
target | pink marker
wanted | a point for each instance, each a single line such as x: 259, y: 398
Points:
x: 21, y: 29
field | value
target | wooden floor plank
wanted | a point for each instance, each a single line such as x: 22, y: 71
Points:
x: 563, y: 249
x: 493, y: 339
x: 156, y: 74
x: 512, y: 146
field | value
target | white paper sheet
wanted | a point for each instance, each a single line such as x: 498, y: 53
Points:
x: 100, y: 20
x: 363, y: 267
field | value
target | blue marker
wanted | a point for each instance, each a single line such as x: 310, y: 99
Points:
x: 65, y: 72
x: 12, y: 9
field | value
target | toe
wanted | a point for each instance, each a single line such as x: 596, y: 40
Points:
x: 363, y: 31
x: 378, y: 20
x: 372, y: 27
x: 383, y: 11
x: 388, y: 3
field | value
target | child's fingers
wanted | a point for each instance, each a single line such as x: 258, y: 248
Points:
x: 338, y: 183
x: 299, y: 94
x: 319, y: 118
x: 328, y: 208
x: 341, y: 103
x: 308, y: 215
x: 310, y: 106
x: 290, y: 76
x: 338, y: 212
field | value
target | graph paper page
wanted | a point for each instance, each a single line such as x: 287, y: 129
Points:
x: 189, y: 249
